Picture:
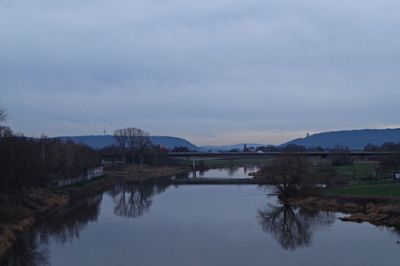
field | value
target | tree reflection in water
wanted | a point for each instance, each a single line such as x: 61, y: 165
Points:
x: 69, y: 222
x: 26, y: 252
x: 232, y: 170
x: 134, y: 199
x: 293, y: 227
x: 64, y: 226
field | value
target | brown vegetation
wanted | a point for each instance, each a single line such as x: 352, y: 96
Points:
x: 16, y: 219
x: 375, y: 210
x: 143, y: 172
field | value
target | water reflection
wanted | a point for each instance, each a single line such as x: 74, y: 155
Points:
x: 26, y: 253
x: 292, y: 227
x: 130, y: 200
x: 64, y: 226
x: 67, y: 224
x: 207, y: 217
x: 134, y: 199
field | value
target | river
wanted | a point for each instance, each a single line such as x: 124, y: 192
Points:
x: 229, y: 172
x: 154, y: 224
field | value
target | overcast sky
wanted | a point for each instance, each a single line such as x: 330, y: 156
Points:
x: 211, y: 71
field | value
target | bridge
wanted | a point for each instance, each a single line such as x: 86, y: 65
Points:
x: 197, y: 156
x: 324, y: 154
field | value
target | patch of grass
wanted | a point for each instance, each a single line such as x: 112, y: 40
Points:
x: 359, y: 170
x: 369, y: 188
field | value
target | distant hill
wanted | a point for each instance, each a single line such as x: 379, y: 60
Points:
x: 101, y: 141
x: 207, y: 148
x: 353, y: 139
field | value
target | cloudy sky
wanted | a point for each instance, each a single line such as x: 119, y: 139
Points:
x: 211, y: 71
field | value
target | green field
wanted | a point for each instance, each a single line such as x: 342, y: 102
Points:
x: 379, y: 188
x: 357, y: 171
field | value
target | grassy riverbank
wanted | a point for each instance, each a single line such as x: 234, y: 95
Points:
x: 368, y: 188
x: 38, y: 203
x: 134, y: 173
x: 373, y: 201
x: 351, y: 189
x: 15, y: 219
x: 358, y: 170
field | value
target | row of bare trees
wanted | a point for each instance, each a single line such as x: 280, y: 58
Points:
x: 30, y: 162
x: 133, y: 143
x: 26, y: 161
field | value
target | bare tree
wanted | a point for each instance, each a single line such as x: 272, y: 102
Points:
x: 134, y: 139
x: 288, y: 173
x: 30, y: 162
x: 3, y: 115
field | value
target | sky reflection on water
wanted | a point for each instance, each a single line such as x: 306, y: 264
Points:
x: 200, y: 225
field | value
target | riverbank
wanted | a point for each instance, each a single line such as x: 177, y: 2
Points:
x: 39, y: 203
x: 374, y: 210
x: 17, y: 219
x: 134, y: 173
x: 215, y: 181
x: 352, y: 190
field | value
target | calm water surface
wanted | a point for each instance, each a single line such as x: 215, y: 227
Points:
x: 201, y: 225
x: 230, y: 172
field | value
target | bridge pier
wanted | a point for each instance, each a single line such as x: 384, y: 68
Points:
x: 194, y: 168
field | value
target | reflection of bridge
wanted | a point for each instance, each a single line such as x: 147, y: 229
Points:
x: 216, y: 181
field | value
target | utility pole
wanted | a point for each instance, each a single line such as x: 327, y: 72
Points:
x: 43, y: 155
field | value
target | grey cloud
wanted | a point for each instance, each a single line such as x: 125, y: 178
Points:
x: 199, y: 69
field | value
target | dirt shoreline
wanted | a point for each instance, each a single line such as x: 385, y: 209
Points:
x: 47, y: 201
x: 44, y: 203
x: 375, y: 210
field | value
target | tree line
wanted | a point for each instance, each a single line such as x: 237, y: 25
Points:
x: 134, y: 147
x: 27, y: 162
x: 389, y: 163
